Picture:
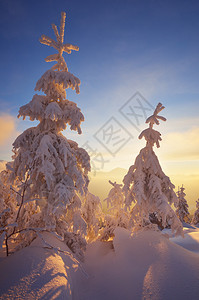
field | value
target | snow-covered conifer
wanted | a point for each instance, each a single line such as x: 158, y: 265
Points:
x: 182, y: 208
x: 57, y: 167
x: 195, y: 219
x: 117, y: 215
x: 91, y: 212
x: 147, y: 186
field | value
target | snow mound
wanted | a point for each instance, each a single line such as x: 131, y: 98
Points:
x: 189, y: 242
x: 145, y: 265
x: 38, y: 273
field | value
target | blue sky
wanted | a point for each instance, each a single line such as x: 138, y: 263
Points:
x: 149, y: 46
x: 117, y: 39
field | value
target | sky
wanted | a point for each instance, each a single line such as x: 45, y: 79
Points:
x: 132, y: 54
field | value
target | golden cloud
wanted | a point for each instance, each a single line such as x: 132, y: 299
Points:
x: 8, y: 128
x: 181, y: 145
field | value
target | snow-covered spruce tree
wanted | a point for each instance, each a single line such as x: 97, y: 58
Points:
x: 57, y: 168
x: 182, y: 208
x: 117, y: 216
x: 91, y: 212
x: 195, y: 219
x: 147, y: 186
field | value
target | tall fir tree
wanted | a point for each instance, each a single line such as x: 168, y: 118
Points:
x: 182, y: 208
x: 147, y: 186
x: 54, y: 168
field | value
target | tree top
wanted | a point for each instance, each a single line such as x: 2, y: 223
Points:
x: 154, y: 118
x: 152, y: 136
x: 58, y: 45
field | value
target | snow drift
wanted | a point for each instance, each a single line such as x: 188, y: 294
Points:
x: 143, y: 266
x: 38, y: 273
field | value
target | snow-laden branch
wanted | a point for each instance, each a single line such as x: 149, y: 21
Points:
x: 58, y: 45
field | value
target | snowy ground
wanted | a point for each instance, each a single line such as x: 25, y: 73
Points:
x: 146, y: 265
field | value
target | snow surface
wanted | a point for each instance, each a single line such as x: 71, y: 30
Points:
x: 38, y: 273
x: 145, y: 265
